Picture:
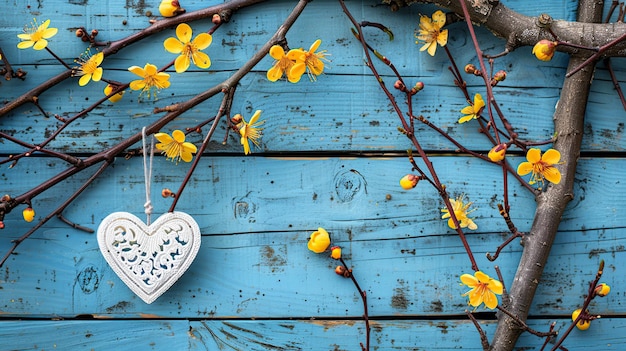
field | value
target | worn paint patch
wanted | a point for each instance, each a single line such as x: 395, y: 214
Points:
x: 273, y: 259
x: 398, y: 299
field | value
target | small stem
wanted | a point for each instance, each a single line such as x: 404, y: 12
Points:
x: 58, y: 58
x: 596, y: 55
x: 364, y: 299
x: 483, y: 336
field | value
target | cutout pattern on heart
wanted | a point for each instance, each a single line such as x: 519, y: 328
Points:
x: 149, y: 259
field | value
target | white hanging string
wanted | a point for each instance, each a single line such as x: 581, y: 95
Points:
x: 147, y: 172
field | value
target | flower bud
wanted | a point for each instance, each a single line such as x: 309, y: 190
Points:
x: 114, y: 98
x: 496, y: 154
x: 319, y: 241
x: 602, y: 289
x: 409, y: 181
x: 340, y: 270
x: 399, y: 85
x: 500, y: 76
x: 5, y: 198
x: 583, y: 324
x: 28, y: 214
x: 170, y: 8
x: 470, y: 68
x: 1, y: 225
x: 418, y: 86
x: 217, y: 19
x: 167, y: 193
x: 236, y: 119
x: 80, y: 32
x: 335, y: 252
x: 544, y: 49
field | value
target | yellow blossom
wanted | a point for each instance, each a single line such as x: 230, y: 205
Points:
x: 113, y: 98
x: 542, y: 167
x: 544, y: 49
x: 89, y: 68
x: 289, y: 64
x: 583, y: 324
x: 484, y: 289
x: 461, y: 212
x: 319, y: 241
x: 313, y: 60
x: 497, y: 153
x: 175, y: 147
x: 474, y: 110
x: 249, y: 131
x: 152, y: 80
x: 430, y: 32
x: 188, y: 49
x: 170, y: 8
x: 36, y: 36
x: 28, y: 214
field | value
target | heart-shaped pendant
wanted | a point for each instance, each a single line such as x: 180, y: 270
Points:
x: 149, y: 259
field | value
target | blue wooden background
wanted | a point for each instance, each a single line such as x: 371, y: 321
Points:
x: 331, y: 156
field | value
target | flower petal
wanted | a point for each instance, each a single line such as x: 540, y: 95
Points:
x: 478, y: 102
x: 179, y: 136
x: 40, y: 44
x: 442, y: 38
x: 255, y: 117
x: 533, y: 155
x: 149, y: 69
x: 184, y: 32
x: 25, y: 44
x: 274, y: 73
x: 551, y: 157
x: 97, y: 74
x: 496, y: 286
x: 524, y: 168
x: 163, y: 138
x: 490, y: 300
x: 552, y: 175
x: 182, y: 63
x: 84, y: 80
x: 432, y: 48
x: 315, y: 45
x: 98, y: 58
x: 277, y: 52
x: 296, y: 72
x: 201, y: 59
x: 439, y: 18
x: 202, y: 41
x: 137, y: 70
x: 469, y: 280
x: 49, y: 33
x: 173, y: 45
x: 137, y: 84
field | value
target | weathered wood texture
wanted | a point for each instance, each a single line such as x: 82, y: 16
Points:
x: 331, y: 156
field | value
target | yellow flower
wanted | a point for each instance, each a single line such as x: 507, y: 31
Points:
x: 474, y: 110
x: 151, y: 82
x: 28, y: 214
x: 175, y: 147
x: 542, y: 167
x: 319, y: 241
x: 88, y: 69
x: 114, y: 98
x: 461, y: 212
x: 170, y: 8
x: 313, y: 60
x: 484, y: 289
x: 36, y: 36
x: 289, y: 64
x: 335, y: 252
x: 409, y: 181
x: 544, y: 49
x: 497, y: 153
x: 188, y: 49
x: 430, y: 32
x: 249, y: 131
x: 582, y: 324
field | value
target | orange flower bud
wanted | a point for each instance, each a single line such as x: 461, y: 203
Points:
x: 1, y: 225
x: 216, y: 19
x: 170, y: 8
x: 335, y: 252
x: 28, y: 214
x: 418, y: 86
x: 602, y: 289
x: 409, y: 181
x: 496, y: 154
x: 319, y: 241
x: 340, y: 270
x: 544, y: 49
x: 470, y: 68
x: 583, y: 324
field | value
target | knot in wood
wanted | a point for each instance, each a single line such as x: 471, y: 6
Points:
x: 544, y: 20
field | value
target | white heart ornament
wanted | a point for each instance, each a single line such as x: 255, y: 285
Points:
x: 149, y: 259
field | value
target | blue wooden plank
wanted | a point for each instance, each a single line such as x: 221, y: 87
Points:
x: 604, y: 334
x: 256, y: 215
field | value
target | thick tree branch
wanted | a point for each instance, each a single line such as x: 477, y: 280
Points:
x: 568, y: 124
x: 520, y: 30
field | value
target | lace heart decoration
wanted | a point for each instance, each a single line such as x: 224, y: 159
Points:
x: 149, y: 259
